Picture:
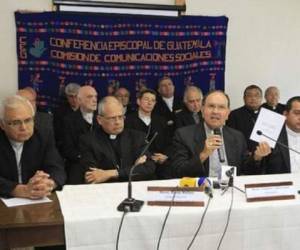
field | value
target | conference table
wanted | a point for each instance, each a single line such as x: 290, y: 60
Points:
x: 91, y: 221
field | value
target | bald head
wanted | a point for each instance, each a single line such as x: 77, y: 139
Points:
x: 111, y: 115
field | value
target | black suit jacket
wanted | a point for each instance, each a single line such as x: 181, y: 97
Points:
x: 278, y: 109
x: 74, y: 127
x: 162, y: 109
x: 278, y: 161
x: 185, y: 117
x: 97, y: 151
x: 189, y: 142
x: 39, y: 153
x: 243, y: 119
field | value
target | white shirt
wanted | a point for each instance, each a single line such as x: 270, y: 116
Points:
x: 145, y: 119
x: 294, y: 142
x: 18, y: 149
x: 88, y: 117
x: 169, y: 102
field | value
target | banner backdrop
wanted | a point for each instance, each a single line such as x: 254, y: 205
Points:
x: 108, y: 51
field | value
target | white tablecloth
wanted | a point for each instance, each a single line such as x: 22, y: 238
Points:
x: 92, y: 220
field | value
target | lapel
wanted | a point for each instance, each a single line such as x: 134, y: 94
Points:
x: 8, y: 153
x: 125, y: 148
x: 284, y: 151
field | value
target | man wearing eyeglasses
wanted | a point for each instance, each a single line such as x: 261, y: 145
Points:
x: 30, y: 166
x: 109, y: 152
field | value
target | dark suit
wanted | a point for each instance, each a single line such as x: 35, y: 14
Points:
x: 74, y: 127
x: 278, y: 161
x: 39, y: 153
x: 97, y: 151
x: 59, y: 115
x: 43, y: 121
x: 158, y: 124
x: 243, y: 119
x: 185, y: 117
x: 162, y: 109
x: 189, y: 141
x: 278, y: 109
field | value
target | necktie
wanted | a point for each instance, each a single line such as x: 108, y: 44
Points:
x: 196, y: 118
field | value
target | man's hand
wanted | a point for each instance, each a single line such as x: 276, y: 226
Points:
x: 97, y: 175
x: 263, y: 149
x: 38, y: 186
x: 212, y: 143
x: 159, y: 158
x: 140, y: 160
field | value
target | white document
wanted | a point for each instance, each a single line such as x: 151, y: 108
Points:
x: 13, y: 202
x: 270, y: 124
x: 179, y: 196
x: 272, y: 191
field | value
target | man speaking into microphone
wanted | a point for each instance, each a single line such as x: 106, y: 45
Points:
x: 109, y: 152
x: 201, y: 150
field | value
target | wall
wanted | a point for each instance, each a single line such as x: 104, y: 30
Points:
x: 262, y: 46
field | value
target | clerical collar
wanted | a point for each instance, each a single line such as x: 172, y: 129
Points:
x: 291, y: 132
x: 112, y: 137
x: 88, y: 117
x: 15, y: 144
x: 144, y: 118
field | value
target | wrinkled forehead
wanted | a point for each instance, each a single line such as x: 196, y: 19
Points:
x: 17, y: 112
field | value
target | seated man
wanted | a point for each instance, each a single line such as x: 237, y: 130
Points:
x: 109, y: 152
x: 30, y: 165
x: 144, y: 120
x: 195, y: 146
x: 123, y: 96
x: 272, y: 100
x: 191, y: 112
x: 76, y: 124
x: 283, y: 160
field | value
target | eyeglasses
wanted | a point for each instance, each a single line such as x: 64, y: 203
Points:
x: 19, y: 123
x: 113, y: 119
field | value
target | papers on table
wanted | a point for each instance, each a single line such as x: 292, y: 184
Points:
x: 270, y: 124
x: 13, y: 202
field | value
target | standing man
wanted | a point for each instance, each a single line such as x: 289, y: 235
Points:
x: 272, y: 96
x: 244, y: 118
x: 75, y: 125
x: 191, y: 112
x: 167, y: 104
x: 196, y: 146
x: 109, y: 152
x: 30, y: 164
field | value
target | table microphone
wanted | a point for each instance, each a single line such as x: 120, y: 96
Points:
x: 217, y: 131
x: 259, y: 132
x: 130, y: 204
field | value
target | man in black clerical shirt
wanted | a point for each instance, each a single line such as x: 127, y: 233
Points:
x: 191, y: 113
x: 109, y: 152
x: 244, y: 118
x: 272, y: 96
x: 144, y: 120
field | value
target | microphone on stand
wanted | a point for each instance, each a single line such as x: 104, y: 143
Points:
x: 217, y: 131
x: 130, y: 204
x: 259, y: 132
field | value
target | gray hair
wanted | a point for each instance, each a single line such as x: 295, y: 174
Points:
x: 72, y: 89
x: 104, y: 101
x: 191, y: 89
x: 14, y: 102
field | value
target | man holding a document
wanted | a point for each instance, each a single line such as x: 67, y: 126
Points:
x: 30, y: 166
x: 201, y: 149
x: 285, y: 157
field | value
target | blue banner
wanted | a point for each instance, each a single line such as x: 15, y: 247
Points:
x: 108, y: 51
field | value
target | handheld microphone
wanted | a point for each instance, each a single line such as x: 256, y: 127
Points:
x: 130, y: 204
x: 259, y: 132
x: 197, y: 182
x: 217, y: 131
